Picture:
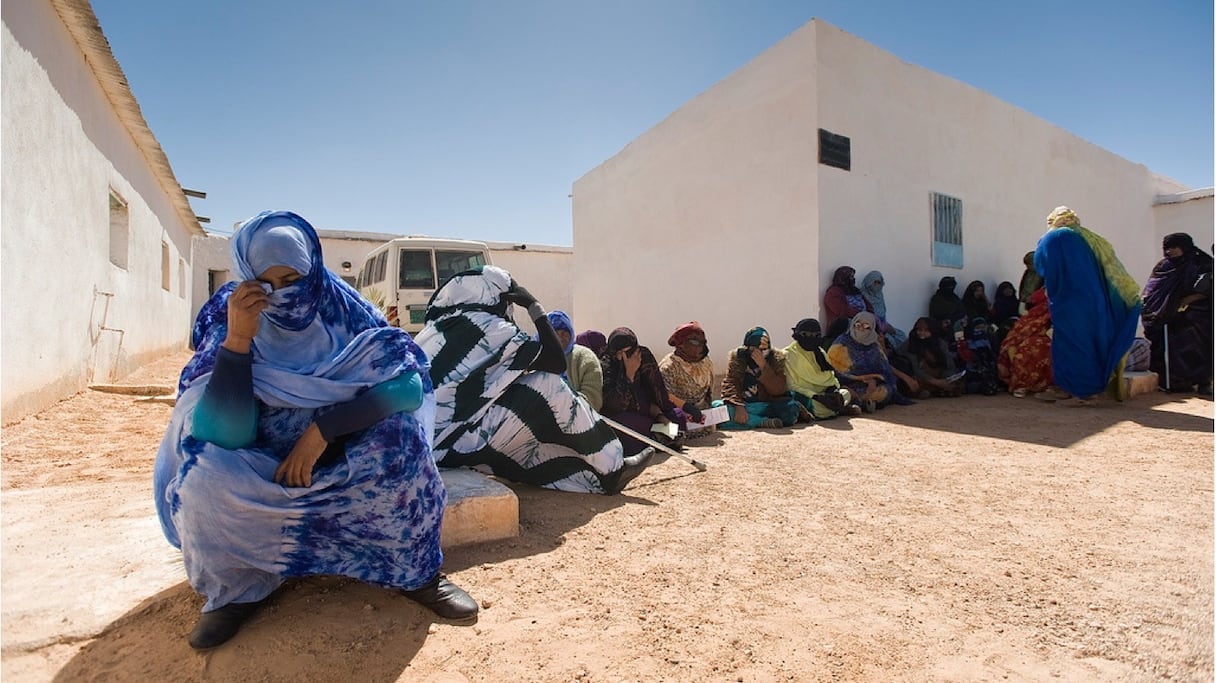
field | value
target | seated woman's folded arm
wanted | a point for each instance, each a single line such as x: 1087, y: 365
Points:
x: 402, y: 393
x: 227, y: 412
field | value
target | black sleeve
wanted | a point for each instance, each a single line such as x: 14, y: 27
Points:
x: 551, y: 357
x: 403, y: 392
x: 362, y: 412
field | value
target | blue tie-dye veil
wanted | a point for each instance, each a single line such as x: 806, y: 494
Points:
x: 319, y: 343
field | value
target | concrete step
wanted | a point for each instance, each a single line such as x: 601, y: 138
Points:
x: 1138, y: 383
x: 479, y: 509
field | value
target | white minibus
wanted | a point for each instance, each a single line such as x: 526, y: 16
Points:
x: 399, y: 276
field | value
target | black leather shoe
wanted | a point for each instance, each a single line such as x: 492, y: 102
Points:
x: 445, y: 599
x: 217, y: 627
x: 632, y: 467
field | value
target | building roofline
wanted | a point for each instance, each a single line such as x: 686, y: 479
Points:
x: 1180, y: 197
x: 85, y: 29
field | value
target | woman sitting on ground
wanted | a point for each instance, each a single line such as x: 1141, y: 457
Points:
x: 634, y: 392
x: 862, y: 366
x: 947, y: 310
x: 979, y: 359
x: 871, y: 289
x: 975, y: 302
x: 688, y: 372
x: 583, y: 371
x: 299, y: 439
x: 810, y: 377
x: 1024, y: 360
x: 594, y: 340
x: 843, y: 299
x: 1004, y: 304
x: 755, y: 388
x: 1031, y: 281
x: 931, y: 361
x: 502, y: 403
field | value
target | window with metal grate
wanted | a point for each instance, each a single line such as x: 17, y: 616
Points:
x: 946, y: 214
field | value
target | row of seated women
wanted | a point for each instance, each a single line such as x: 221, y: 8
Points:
x: 812, y: 378
x: 950, y: 313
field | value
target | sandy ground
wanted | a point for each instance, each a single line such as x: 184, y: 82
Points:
x: 972, y: 539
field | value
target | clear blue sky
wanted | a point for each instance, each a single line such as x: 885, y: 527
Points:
x: 473, y: 119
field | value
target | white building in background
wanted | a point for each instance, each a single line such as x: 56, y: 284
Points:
x: 95, y: 245
x: 545, y: 270
x: 826, y: 151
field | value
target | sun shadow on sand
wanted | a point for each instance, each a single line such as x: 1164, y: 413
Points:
x: 315, y: 627
x: 1054, y: 425
x: 545, y: 517
x: 310, y: 629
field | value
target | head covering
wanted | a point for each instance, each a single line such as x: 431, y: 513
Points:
x: 291, y: 335
x: 281, y: 245
x: 318, y: 342
x: 809, y: 336
x: 1178, y: 239
x: 864, y: 337
x: 621, y: 338
x: 1031, y: 280
x: 845, y: 278
x: 560, y: 321
x: 479, y: 288
x: 754, y: 336
x: 1063, y: 217
x: 871, y: 290
x: 807, y: 326
x: 592, y: 339
x: 945, y: 304
x: 684, y: 332
x: 1004, y: 303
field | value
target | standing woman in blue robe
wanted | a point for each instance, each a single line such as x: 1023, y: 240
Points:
x: 1095, y: 308
x: 301, y: 440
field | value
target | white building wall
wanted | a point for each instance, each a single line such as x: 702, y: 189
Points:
x: 64, y: 148
x: 708, y: 216
x: 211, y: 253
x: 914, y: 132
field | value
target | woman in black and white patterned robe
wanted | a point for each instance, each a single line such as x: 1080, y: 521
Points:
x: 501, y: 403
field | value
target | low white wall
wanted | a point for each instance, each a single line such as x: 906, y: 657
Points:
x: 63, y: 150
x: 1189, y: 212
x: 544, y: 270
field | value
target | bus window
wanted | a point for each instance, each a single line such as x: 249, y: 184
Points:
x: 415, y: 269
x: 448, y: 263
x: 381, y: 264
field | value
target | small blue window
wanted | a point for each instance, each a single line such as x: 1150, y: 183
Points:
x: 947, y: 215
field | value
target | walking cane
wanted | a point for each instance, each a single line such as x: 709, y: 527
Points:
x: 651, y: 442
x: 1166, y: 329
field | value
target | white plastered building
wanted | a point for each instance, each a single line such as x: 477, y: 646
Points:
x: 826, y: 151
x: 95, y: 231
